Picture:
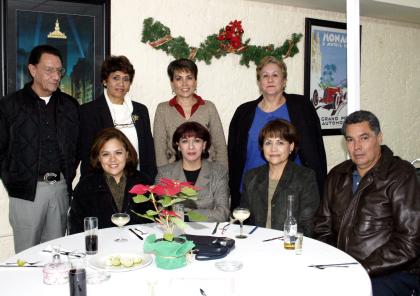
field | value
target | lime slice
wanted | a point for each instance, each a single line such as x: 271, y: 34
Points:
x: 116, y: 261
x: 127, y: 262
x: 20, y: 262
x: 137, y: 260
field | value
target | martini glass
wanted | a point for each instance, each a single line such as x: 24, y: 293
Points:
x: 120, y: 219
x: 241, y: 214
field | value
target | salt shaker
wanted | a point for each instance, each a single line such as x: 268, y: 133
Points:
x: 55, y: 272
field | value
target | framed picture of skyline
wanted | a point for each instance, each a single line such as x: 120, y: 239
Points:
x: 79, y: 29
x: 326, y: 72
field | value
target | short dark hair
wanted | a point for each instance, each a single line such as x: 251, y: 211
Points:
x: 362, y: 116
x: 182, y: 65
x: 38, y: 51
x: 282, y: 129
x: 104, y: 136
x: 191, y: 129
x: 117, y: 63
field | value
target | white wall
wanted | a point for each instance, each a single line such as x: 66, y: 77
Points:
x: 390, y: 74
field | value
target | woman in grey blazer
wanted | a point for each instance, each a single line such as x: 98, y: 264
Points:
x: 266, y: 187
x: 192, y: 141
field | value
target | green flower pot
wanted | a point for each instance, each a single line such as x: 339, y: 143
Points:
x: 168, y: 254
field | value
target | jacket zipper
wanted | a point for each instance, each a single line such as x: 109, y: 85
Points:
x: 353, y: 209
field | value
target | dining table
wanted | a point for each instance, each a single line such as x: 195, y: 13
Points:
x: 265, y: 267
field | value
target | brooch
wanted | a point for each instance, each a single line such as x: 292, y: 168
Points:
x: 134, y: 117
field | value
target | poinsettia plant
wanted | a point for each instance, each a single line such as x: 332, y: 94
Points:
x: 163, y: 195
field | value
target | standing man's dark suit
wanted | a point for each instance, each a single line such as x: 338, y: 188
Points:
x: 39, y: 127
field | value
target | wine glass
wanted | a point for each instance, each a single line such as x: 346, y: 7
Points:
x: 241, y: 214
x: 120, y: 219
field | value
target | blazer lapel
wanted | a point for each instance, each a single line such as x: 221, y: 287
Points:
x: 137, y: 118
x: 204, y: 175
x: 178, y: 172
x: 279, y: 198
x: 104, y: 112
x: 262, y: 187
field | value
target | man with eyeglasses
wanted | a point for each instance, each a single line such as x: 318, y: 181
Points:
x: 39, y: 127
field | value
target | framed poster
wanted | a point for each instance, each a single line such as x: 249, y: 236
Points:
x: 326, y: 72
x: 78, y: 28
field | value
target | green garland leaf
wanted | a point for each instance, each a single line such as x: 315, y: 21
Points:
x: 159, y: 37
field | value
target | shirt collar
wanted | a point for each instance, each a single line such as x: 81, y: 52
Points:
x: 111, y: 179
x: 173, y: 103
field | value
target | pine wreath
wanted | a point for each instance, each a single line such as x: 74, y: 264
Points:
x: 229, y: 40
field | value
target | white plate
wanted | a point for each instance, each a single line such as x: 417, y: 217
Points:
x: 99, y: 261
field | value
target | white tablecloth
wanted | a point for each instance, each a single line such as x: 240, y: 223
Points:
x: 268, y: 269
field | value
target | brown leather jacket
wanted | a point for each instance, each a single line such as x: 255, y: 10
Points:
x: 380, y: 224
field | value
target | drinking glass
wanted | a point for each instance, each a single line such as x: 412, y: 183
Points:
x: 179, y: 210
x: 120, y: 219
x: 299, y: 243
x: 77, y: 274
x: 241, y: 214
x: 91, y: 235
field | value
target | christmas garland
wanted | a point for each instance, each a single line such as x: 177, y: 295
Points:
x: 229, y: 40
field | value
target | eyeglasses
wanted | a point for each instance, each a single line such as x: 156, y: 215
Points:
x: 123, y: 125
x: 225, y: 228
x: 51, y: 71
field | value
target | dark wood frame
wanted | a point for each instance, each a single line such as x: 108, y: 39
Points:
x: 309, y: 23
x: 73, y: 7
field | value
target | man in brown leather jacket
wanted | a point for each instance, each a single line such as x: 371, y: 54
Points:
x: 371, y: 209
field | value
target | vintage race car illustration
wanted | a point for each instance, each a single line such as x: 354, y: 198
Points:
x: 334, y: 97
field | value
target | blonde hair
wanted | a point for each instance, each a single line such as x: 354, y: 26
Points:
x: 272, y: 60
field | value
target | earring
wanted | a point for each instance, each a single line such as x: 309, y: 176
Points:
x: 173, y: 91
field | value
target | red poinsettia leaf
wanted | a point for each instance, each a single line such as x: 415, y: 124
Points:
x: 172, y: 214
x: 174, y: 185
x: 170, y: 182
x: 164, y: 190
x: 166, y: 181
x: 140, y: 189
x: 167, y: 213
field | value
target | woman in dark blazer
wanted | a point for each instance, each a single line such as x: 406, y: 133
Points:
x: 115, y: 109
x: 105, y: 191
x: 266, y: 187
x: 274, y: 103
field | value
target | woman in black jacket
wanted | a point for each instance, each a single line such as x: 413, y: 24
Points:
x: 267, y: 187
x: 274, y: 103
x: 114, y: 108
x: 105, y: 191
